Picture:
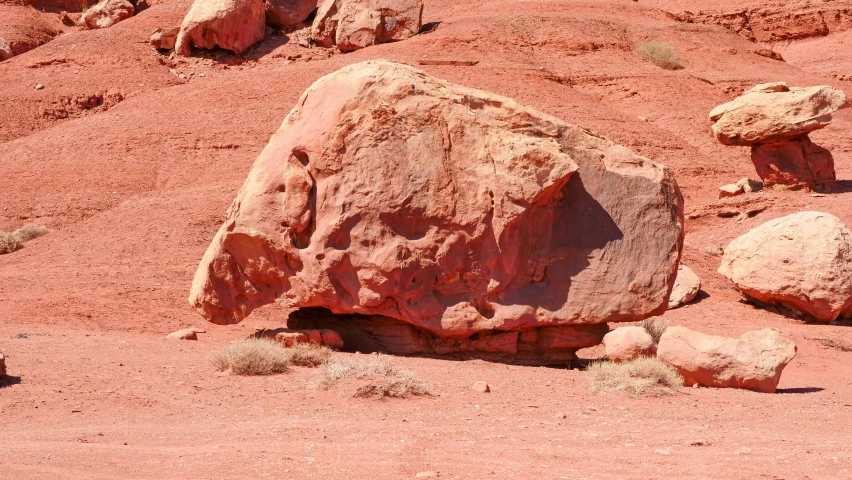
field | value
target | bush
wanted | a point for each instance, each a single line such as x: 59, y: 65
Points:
x: 655, y: 327
x: 29, y: 232
x: 660, y: 54
x: 254, y: 356
x: 385, y: 380
x: 643, y: 376
x: 308, y: 354
x: 8, y: 244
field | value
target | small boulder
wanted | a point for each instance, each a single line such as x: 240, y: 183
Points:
x: 753, y: 361
x: 628, y: 343
x: 185, y: 334
x: 481, y: 387
x: 164, y: 38
x: 2, y: 365
x: 355, y: 24
x: 286, y: 13
x: 748, y: 185
x: 774, y: 111
x: 234, y: 25
x: 106, y: 13
x: 802, y: 261
x: 797, y: 162
x: 730, y: 190
x: 686, y: 287
x: 5, y: 50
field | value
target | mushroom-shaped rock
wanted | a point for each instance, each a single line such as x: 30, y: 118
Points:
x: 355, y: 24
x: 164, y: 38
x: 286, y: 13
x: 628, y: 343
x: 234, y: 25
x: 753, y: 361
x: 775, y: 111
x: 388, y: 192
x: 107, y: 13
x: 802, y: 261
x: 686, y: 287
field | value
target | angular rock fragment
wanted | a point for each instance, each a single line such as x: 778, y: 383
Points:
x: 164, y: 38
x: 233, y: 25
x: 482, y: 224
x: 753, y: 361
x: 5, y: 50
x: 730, y: 190
x: 686, y: 287
x: 802, y: 261
x: 355, y: 24
x: 106, y: 13
x: 797, y: 162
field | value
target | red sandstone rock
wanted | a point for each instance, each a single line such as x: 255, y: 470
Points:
x: 802, y: 261
x: 389, y: 192
x: 686, y: 287
x: 797, y: 162
x: 234, y: 25
x: 107, y: 13
x: 288, y: 337
x: 355, y: 24
x: 286, y: 13
x: 2, y: 365
x: 164, y: 38
x: 629, y: 343
x: 753, y: 361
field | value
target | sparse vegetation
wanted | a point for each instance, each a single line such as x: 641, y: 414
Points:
x: 655, y: 327
x: 8, y: 244
x: 308, y: 354
x: 254, y: 356
x: 660, y: 54
x: 384, y: 380
x: 643, y: 376
x: 30, y: 231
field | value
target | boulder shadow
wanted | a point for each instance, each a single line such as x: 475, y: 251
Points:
x: 9, y: 380
x: 800, y: 390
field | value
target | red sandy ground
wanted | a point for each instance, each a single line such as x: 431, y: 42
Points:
x: 135, y: 184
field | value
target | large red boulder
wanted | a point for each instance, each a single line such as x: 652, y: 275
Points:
x: 355, y: 24
x: 233, y: 25
x: 389, y: 192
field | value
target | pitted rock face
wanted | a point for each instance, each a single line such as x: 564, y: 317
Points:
x: 389, y: 192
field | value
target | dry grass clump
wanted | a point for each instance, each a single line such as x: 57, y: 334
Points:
x: 385, y: 380
x: 8, y: 243
x: 655, y: 327
x: 30, y: 231
x: 308, y: 354
x: 643, y: 376
x: 660, y: 54
x: 254, y: 356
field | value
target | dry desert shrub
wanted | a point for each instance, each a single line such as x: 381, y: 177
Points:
x: 643, y: 376
x: 308, y: 354
x: 29, y: 232
x: 254, y: 356
x: 660, y: 54
x: 655, y: 327
x: 8, y: 244
x: 385, y: 379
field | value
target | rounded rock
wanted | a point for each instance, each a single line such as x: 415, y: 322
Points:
x: 628, y: 343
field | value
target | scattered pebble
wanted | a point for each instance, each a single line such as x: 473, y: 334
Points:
x: 39, y: 86
x: 481, y: 387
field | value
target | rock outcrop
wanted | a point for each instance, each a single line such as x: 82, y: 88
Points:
x: 106, y: 13
x: 753, y: 361
x: 686, y: 287
x: 628, y: 343
x: 164, y: 38
x: 5, y: 50
x: 233, y: 25
x: 481, y: 223
x: 802, y: 261
x: 355, y: 24
x: 286, y: 13
x: 775, y: 119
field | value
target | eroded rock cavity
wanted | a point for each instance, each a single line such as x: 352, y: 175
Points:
x: 461, y: 213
